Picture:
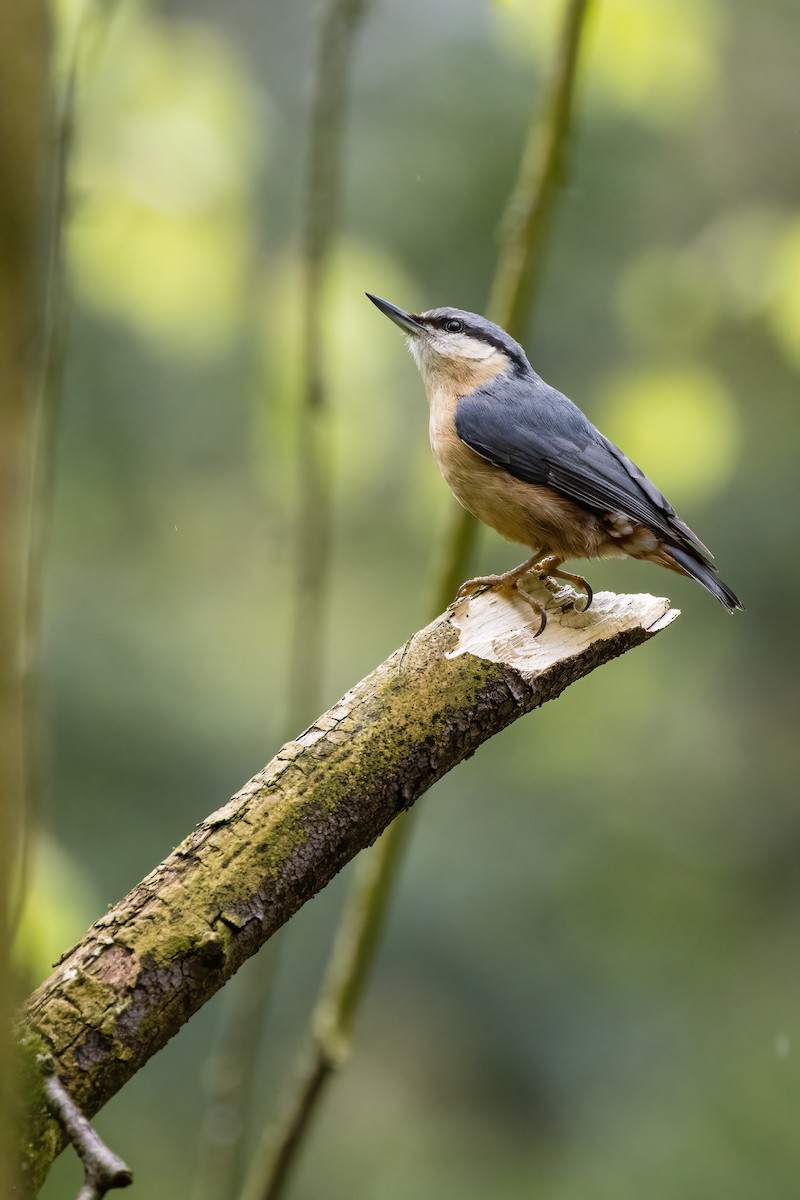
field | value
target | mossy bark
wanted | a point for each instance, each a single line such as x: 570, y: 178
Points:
x: 140, y: 972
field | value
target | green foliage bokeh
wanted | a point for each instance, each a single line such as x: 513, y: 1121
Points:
x: 589, y: 987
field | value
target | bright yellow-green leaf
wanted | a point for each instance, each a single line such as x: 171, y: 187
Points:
x: 59, y: 906
x: 657, y: 59
x: 177, y: 279
x: 678, y: 424
x: 169, y: 141
x: 783, y: 311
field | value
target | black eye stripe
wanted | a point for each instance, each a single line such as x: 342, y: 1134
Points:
x: 444, y: 323
x: 517, y: 359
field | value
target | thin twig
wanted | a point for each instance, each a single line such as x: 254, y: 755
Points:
x: 516, y: 277
x: 231, y: 1079
x: 103, y: 1169
x: 230, y: 1074
x: 313, y: 1073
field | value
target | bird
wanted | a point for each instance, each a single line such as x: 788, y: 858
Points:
x: 525, y: 460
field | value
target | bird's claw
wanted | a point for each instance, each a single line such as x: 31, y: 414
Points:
x: 510, y: 583
x: 589, y: 590
x: 549, y: 573
x: 474, y: 587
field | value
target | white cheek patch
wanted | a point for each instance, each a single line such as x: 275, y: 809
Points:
x: 439, y: 355
x: 419, y: 351
x: 460, y: 345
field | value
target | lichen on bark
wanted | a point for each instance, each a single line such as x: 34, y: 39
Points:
x: 150, y: 962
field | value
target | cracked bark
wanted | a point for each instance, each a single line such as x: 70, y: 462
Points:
x: 141, y: 971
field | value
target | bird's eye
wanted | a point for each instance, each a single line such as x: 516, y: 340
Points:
x: 454, y: 326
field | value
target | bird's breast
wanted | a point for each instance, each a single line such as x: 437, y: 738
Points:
x: 529, y: 515
x: 490, y: 494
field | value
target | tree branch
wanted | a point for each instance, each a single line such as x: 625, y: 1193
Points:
x: 103, y: 1169
x: 142, y: 970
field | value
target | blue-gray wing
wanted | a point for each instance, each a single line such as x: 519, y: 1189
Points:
x: 539, y: 436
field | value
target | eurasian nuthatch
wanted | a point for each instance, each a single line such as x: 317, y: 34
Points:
x: 524, y: 459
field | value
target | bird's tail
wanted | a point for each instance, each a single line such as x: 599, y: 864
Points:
x: 705, y: 574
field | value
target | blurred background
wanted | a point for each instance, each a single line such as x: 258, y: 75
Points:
x: 589, y: 985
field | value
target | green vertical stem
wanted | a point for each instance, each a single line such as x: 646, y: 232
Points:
x: 42, y: 479
x: 312, y: 540
x: 517, y: 275
x: 354, y: 948
x: 231, y: 1070
x: 542, y: 171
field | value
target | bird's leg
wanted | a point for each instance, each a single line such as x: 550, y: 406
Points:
x: 549, y: 569
x: 511, y: 581
x: 506, y: 582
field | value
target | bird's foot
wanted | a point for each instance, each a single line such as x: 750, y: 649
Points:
x: 548, y: 570
x: 482, y: 583
x: 511, y: 583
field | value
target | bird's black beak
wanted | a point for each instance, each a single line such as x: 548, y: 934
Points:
x: 405, y: 320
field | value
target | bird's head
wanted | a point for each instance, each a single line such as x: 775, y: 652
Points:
x: 458, y: 348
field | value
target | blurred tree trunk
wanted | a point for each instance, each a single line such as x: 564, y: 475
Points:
x: 164, y: 950
x: 24, y: 137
